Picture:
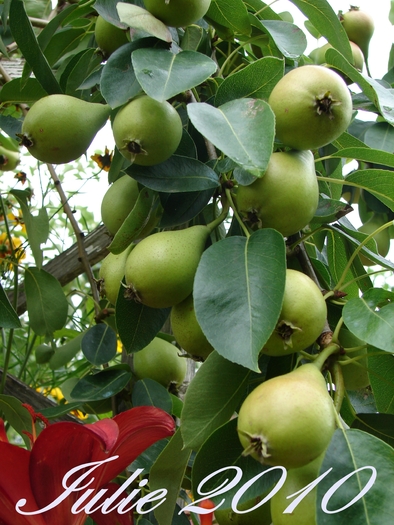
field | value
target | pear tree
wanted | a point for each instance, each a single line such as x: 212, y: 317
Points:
x: 239, y: 277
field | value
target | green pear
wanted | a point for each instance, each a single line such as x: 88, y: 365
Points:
x: 288, y: 420
x: 59, y: 128
x: 382, y: 238
x: 109, y: 37
x: 8, y: 159
x: 297, y: 479
x: 161, y: 268
x: 111, y: 273
x: 359, y: 27
x: 355, y: 376
x: 319, y: 55
x: 160, y: 361
x: 187, y: 331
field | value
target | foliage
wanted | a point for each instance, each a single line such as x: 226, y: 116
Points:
x: 218, y: 74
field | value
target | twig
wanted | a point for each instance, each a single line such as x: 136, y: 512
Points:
x: 79, y: 237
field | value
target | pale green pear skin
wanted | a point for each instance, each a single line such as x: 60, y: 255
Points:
x: 382, y: 238
x: 161, y: 268
x: 355, y: 376
x: 109, y: 37
x: 297, y: 479
x: 118, y: 202
x: 288, y: 420
x: 59, y: 128
x: 160, y: 361
x: 111, y: 273
x: 178, y: 13
x: 319, y: 55
x: 187, y: 332
x: 359, y: 27
x: 304, y: 309
x: 285, y: 198
x: 9, y: 160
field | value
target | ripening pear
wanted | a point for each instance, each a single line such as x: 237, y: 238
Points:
x: 8, y: 159
x: 359, y: 27
x: 319, y: 55
x: 382, y: 238
x: 355, y: 375
x: 160, y: 270
x: 288, y: 420
x: 109, y: 37
x: 111, y: 273
x: 59, y: 128
x: 187, y: 332
x: 297, y: 479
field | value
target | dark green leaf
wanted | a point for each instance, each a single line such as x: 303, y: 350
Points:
x: 139, y: 18
x: 147, y: 458
x: 56, y: 412
x: 230, y: 13
x: 177, y: 174
x: 367, y: 155
x: 47, y: 305
x: 242, y: 129
x: 102, y: 385
x: 16, y: 415
x: 330, y: 210
x: 381, y: 375
x: 23, y: 33
x: 211, y: 398
x: 238, y: 293
x: 147, y: 392
x: 8, y: 317
x: 99, y: 344
x: 163, y: 74
x: 15, y: 91
x: 180, y: 208
x: 288, y: 38
x: 379, y: 425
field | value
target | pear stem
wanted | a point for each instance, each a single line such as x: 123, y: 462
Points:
x: 220, y: 218
x: 320, y: 360
x: 337, y: 376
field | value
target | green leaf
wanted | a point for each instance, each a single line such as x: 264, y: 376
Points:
x: 239, y: 287
x: 348, y: 452
x: 230, y: 13
x: 8, y: 317
x: 78, y: 69
x: 37, y: 226
x: 177, y: 174
x: 137, y: 324
x: 99, y: 344
x: 211, y: 398
x: 47, y: 305
x: 379, y: 95
x: 168, y: 471
x: 381, y: 375
x: 223, y: 449
x: 16, y: 415
x: 66, y: 352
x: 330, y: 210
x: 163, y: 74
x: 254, y: 81
x: 17, y: 91
x: 147, y: 392
x: 381, y: 137
x: 61, y: 410
x: 288, y: 38
x: 379, y: 425
x: 139, y: 18
x: 242, y: 129
x: 135, y: 222
x: 182, y: 207
x: 23, y: 33
x: 102, y: 385
x: 367, y: 155
x: 370, y: 318
x: 326, y: 21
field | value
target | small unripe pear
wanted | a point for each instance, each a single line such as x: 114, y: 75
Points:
x: 111, y: 273
x: 382, y: 238
x: 178, y: 13
x: 161, y: 268
x: 8, y: 159
x: 109, y: 37
x: 319, y: 55
x: 59, y: 128
x: 187, y: 332
x: 359, y: 27
x: 288, y: 420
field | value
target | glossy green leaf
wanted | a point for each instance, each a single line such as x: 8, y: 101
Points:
x: 138, y: 18
x: 230, y: 13
x: 99, y: 344
x: 163, y: 74
x: 371, y: 318
x: 330, y: 210
x: 46, y: 303
x: 137, y: 324
x: 16, y: 415
x: 242, y: 129
x: 321, y: 14
x: 174, y: 458
x: 381, y: 375
x: 182, y: 207
x: 239, y: 287
x: 148, y: 458
x: 118, y: 81
x: 25, y: 37
x: 78, y: 69
x: 380, y: 136
x: 223, y: 449
x: 135, y: 222
x: 8, y: 317
x: 367, y: 155
x: 147, y: 392
x: 340, y: 496
x: 15, y: 91
x: 379, y: 182
x: 254, y: 81
x: 61, y: 410
x: 211, y: 398
x: 288, y: 38
x: 177, y: 174
x: 63, y: 354
x: 102, y: 385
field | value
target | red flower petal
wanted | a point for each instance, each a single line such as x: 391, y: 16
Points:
x: 113, y: 518
x: 107, y: 430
